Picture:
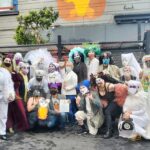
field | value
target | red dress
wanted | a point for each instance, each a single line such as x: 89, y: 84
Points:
x: 17, y: 117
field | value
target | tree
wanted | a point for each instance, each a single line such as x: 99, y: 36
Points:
x: 30, y: 26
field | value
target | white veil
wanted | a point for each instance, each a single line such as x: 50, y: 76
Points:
x: 132, y: 62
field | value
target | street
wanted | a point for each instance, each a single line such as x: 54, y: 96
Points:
x: 68, y: 141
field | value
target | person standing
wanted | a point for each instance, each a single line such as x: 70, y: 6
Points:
x: 6, y: 94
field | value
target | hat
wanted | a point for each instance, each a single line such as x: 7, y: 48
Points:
x: 39, y: 73
x: 85, y: 83
x: 53, y: 85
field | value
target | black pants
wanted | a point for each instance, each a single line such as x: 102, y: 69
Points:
x: 111, y: 112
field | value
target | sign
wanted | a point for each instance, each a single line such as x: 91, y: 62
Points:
x: 64, y: 105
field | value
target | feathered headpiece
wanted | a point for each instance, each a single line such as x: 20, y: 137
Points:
x: 91, y: 48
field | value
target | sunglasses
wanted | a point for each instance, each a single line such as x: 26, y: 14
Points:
x: 132, y: 86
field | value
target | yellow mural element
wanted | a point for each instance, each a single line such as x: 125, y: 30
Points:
x: 81, y: 9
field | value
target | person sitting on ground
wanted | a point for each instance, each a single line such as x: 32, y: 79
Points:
x: 57, y: 118
x: 135, y: 120
x: 89, y: 109
x: 38, y: 111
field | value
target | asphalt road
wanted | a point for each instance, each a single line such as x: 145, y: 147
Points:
x: 68, y: 141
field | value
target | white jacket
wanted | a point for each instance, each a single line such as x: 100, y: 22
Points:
x: 69, y: 84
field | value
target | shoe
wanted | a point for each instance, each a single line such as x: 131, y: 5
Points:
x: 107, y: 135
x: 82, y: 131
x: 3, y: 137
x: 135, y: 138
x: 11, y: 131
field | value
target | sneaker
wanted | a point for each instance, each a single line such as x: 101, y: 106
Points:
x: 3, y: 137
x: 82, y: 131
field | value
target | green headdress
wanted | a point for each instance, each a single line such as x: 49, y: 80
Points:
x: 77, y: 50
x: 91, y: 47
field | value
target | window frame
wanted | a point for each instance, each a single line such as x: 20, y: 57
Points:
x: 13, y: 9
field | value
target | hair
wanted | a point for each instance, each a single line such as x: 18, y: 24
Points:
x: 101, y: 57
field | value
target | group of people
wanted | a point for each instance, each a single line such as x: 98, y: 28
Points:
x: 102, y: 97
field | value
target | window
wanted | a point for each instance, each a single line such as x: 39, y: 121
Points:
x: 8, y: 7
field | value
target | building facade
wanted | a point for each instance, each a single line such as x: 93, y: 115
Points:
x: 82, y: 20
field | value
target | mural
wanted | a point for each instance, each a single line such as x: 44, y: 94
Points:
x: 72, y: 10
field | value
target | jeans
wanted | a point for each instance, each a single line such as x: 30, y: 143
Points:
x: 73, y: 108
x: 57, y: 120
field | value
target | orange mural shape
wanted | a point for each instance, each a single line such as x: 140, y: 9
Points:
x: 72, y: 10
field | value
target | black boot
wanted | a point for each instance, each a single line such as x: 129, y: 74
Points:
x: 108, y: 134
x: 82, y: 130
x: 3, y: 137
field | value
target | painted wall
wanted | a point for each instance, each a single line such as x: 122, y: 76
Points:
x: 93, y: 22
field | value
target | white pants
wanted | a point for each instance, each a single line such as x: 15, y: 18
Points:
x: 80, y: 117
x: 3, y: 116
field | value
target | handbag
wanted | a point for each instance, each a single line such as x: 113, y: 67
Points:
x: 128, y: 124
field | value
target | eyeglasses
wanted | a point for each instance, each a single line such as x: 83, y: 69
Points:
x: 133, y: 86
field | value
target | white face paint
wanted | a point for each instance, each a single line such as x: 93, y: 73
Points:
x: 133, y: 89
x: 84, y: 90
x: 124, y: 62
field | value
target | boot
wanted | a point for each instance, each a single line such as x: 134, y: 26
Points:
x: 108, y: 134
x: 82, y: 130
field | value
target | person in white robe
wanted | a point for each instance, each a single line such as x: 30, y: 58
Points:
x: 135, y: 111
x: 129, y: 60
x: 91, y: 51
x: 6, y: 94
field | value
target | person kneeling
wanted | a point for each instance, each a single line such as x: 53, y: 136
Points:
x: 90, y: 110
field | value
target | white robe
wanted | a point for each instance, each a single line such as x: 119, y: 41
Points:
x: 92, y: 67
x: 6, y: 90
x: 138, y: 105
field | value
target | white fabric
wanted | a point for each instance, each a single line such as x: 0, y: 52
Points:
x: 81, y: 116
x: 54, y: 77
x: 39, y: 58
x: 92, y: 67
x: 69, y: 82
x: 43, y: 84
x: 132, y: 62
x: 137, y: 104
x: 6, y: 94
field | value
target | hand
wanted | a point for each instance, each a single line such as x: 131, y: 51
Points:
x: 10, y: 98
x: 104, y: 103
x: 90, y: 96
x: 78, y: 99
x: 126, y: 115
x: 47, y: 100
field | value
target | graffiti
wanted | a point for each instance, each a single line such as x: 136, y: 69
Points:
x: 81, y: 9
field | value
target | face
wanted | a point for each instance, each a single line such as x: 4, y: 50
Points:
x: 147, y: 62
x: 99, y: 81
x: 124, y: 62
x: 25, y: 69
x: 51, y: 68
x: 91, y: 54
x: 7, y: 62
x: 132, y: 89
x: 84, y: 90
x: 39, y: 78
x: 53, y: 91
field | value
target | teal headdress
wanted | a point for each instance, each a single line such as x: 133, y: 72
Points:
x: 91, y: 47
x: 77, y: 50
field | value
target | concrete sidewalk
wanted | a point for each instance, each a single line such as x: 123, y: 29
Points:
x: 68, y: 141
